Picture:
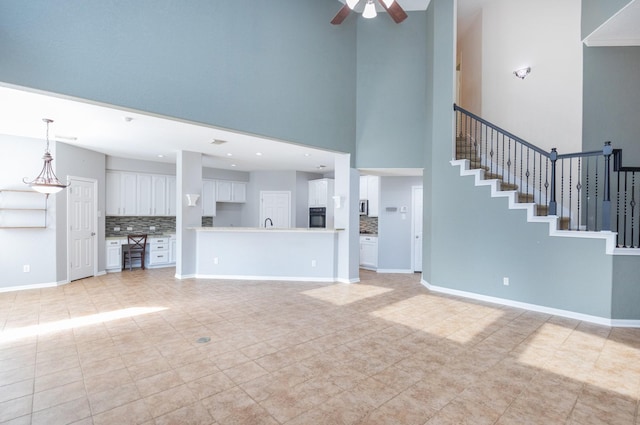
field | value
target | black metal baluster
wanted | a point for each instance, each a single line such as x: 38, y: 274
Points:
x: 633, y: 209
x: 606, y: 203
x: 578, y: 188
x: 624, y: 220
x: 586, y: 207
x: 596, y: 203
x: 551, y: 203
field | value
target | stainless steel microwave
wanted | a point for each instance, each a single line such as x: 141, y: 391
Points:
x: 364, y: 207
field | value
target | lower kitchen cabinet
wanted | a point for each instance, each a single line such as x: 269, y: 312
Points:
x: 114, y: 255
x: 369, y: 252
x: 158, y: 251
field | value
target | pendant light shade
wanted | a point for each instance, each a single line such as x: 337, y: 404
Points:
x: 369, y: 10
x: 388, y: 3
x: 46, y: 182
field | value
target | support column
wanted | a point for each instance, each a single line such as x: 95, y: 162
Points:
x: 188, y: 181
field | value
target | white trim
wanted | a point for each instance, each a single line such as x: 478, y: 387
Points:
x: 612, y: 43
x: 552, y: 220
x: 354, y: 280
x: 404, y: 271
x: 267, y: 278
x: 185, y: 276
x: 534, y: 307
x: 601, y: 42
x: 38, y: 285
x: 101, y: 273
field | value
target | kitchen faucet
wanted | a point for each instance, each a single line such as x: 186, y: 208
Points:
x: 269, y: 220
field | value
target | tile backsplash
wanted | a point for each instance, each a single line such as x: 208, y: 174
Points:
x: 368, y: 224
x: 139, y: 225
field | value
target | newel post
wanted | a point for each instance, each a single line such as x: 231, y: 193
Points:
x: 606, y: 202
x: 553, y: 206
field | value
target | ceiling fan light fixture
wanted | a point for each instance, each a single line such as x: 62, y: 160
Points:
x: 369, y: 11
x: 352, y: 3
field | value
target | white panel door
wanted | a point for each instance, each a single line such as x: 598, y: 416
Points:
x: 416, y: 226
x: 82, y: 232
x: 277, y: 207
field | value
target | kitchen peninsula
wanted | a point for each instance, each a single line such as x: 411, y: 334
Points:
x: 266, y: 253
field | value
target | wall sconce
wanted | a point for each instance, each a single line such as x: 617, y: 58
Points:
x: 522, y: 72
x: 192, y: 199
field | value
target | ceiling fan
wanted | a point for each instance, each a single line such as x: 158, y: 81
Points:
x: 391, y: 6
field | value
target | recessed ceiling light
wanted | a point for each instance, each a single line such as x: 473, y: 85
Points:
x: 229, y: 154
x: 307, y: 154
x: 233, y: 165
x: 321, y: 167
x: 128, y: 119
x: 218, y: 142
x: 160, y: 155
x: 258, y: 153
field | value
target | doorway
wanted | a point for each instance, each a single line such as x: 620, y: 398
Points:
x: 82, y: 216
x: 275, y: 205
x: 416, y: 228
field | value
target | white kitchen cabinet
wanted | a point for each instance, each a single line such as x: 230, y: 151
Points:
x: 114, y: 193
x: 321, y: 193
x: 369, y: 252
x: 121, y: 191
x: 159, y: 195
x: 172, y: 207
x: 208, y: 198
x: 144, y: 205
x: 158, y: 252
x: 370, y: 190
x: 229, y: 191
x: 114, y: 255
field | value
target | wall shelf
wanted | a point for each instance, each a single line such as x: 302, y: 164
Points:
x: 22, y: 209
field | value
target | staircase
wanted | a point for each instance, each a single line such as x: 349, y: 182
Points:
x: 578, y: 194
x: 465, y: 151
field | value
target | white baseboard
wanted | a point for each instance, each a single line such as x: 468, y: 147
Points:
x: 26, y: 287
x: 101, y: 273
x: 623, y: 323
x: 185, y: 276
x: 402, y: 271
x: 267, y: 278
x: 354, y: 280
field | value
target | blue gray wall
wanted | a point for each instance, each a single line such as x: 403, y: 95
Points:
x: 392, y: 92
x: 611, y: 98
x: 274, y: 68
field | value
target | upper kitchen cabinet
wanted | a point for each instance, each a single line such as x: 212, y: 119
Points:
x: 121, y: 192
x: 133, y: 194
x: 370, y: 190
x: 229, y: 191
x: 320, y: 192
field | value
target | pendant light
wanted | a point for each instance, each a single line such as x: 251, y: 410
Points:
x: 46, y: 182
x: 369, y: 10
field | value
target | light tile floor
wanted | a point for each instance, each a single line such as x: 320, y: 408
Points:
x: 123, y: 349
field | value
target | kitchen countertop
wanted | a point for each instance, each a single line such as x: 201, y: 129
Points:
x: 263, y: 229
x: 149, y: 236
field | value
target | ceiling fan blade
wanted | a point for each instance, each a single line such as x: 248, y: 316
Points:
x: 396, y: 11
x: 341, y: 15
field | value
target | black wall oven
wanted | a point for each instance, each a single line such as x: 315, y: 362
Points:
x: 318, y: 217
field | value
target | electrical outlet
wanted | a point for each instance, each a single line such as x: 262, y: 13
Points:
x: 26, y: 268
x: 505, y: 281
x: 215, y: 260
x: 116, y: 229
x: 129, y: 228
x: 313, y: 263
x: 152, y: 228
